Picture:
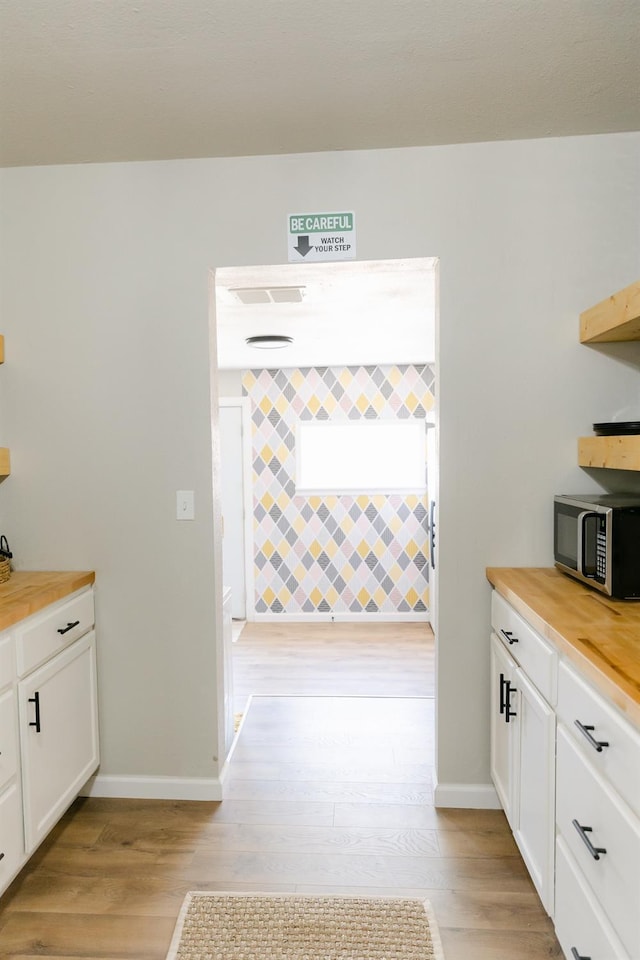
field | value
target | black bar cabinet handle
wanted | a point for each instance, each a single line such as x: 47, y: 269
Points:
x: 1, y: 856
x: 508, y: 711
x: 582, y: 833
x: 502, y: 701
x: 578, y: 956
x: 35, y: 699
x: 509, y: 637
x: 68, y: 627
x: 585, y: 731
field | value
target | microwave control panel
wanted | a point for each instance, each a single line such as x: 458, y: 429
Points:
x: 601, y: 549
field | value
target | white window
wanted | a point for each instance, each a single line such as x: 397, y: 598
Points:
x: 363, y: 456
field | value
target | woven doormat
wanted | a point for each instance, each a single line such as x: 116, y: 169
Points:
x: 252, y: 926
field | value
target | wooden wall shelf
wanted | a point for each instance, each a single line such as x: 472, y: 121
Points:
x: 5, y: 462
x: 613, y: 453
x: 1, y: 348
x: 616, y: 318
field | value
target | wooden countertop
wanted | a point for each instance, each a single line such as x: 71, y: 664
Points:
x: 601, y: 636
x: 28, y: 591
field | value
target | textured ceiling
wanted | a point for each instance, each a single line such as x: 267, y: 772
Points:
x: 100, y: 80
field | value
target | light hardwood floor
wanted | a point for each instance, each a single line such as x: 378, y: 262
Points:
x: 334, y: 659
x: 329, y: 790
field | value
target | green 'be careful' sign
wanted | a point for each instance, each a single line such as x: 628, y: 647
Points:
x: 321, y: 236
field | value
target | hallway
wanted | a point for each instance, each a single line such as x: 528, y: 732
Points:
x: 335, y: 795
x: 338, y: 744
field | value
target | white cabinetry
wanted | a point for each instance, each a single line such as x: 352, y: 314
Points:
x: 11, y: 838
x: 48, y: 723
x: 579, y: 919
x: 566, y: 766
x: 534, y: 829
x: 503, y: 742
x: 597, y: 823
x: 523, y: 739
x: 59, y: 731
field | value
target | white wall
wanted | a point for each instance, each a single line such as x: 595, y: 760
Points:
x: 230, y: 383
x: 103, y: 276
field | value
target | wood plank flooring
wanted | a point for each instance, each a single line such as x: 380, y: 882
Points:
x: 330, y: 792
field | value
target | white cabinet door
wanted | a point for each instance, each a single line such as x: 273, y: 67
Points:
x: 504, y: 760
x: 523, y: 765
x: 11, y: 835
x: 534, y: 832
x: 58, y: 735
x: 8, y: 737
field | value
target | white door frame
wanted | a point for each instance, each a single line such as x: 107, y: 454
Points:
x: 244, y: 405
x: 250, y: 584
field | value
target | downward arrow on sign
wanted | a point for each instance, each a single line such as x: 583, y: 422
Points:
x: 303, y: 246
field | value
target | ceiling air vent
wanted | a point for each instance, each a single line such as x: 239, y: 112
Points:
x: 286, y: 294
x: 250, y: 295
x: 253, y: 295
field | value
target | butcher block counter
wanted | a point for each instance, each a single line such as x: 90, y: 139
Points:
x: 28, y: 591
x: 600, y: 635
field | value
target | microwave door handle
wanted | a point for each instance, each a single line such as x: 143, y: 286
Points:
x: 582, y: 523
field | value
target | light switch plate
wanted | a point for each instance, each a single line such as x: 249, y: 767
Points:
x: 185, y: 505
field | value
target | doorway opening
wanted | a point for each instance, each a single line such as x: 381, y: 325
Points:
x: 351, y: 343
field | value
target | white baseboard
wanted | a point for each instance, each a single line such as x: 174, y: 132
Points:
x: 341, y: 617
x: 472, y: 796
x: 154, y: 788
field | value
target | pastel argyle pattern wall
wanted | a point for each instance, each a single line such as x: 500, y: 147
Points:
x: 334, y: 554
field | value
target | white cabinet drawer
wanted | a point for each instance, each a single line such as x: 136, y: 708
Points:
x: 8, y: 738
x: 45, y: 634
x: 537, y: 658
x: 579, y: 921
x: 6, y: 661
x: 619, y: 761
x: 11, y: 835
x: 614, y: 876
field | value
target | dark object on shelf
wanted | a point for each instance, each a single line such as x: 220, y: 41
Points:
x: 5, y: 557
x: 626, y: 429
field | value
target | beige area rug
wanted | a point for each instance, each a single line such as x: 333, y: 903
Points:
x: 254, y: 926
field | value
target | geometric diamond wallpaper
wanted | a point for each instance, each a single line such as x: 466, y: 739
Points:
x: 334, y: 554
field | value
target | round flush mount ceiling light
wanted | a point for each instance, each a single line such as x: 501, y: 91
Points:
x: 269, y: 341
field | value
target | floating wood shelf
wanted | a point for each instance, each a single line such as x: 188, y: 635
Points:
x: 614, y: 453
x: 5, y: 462
x: 616, y: 318
x: 1, y: 348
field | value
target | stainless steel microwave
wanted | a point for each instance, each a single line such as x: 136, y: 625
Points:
x: 597, y: 540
